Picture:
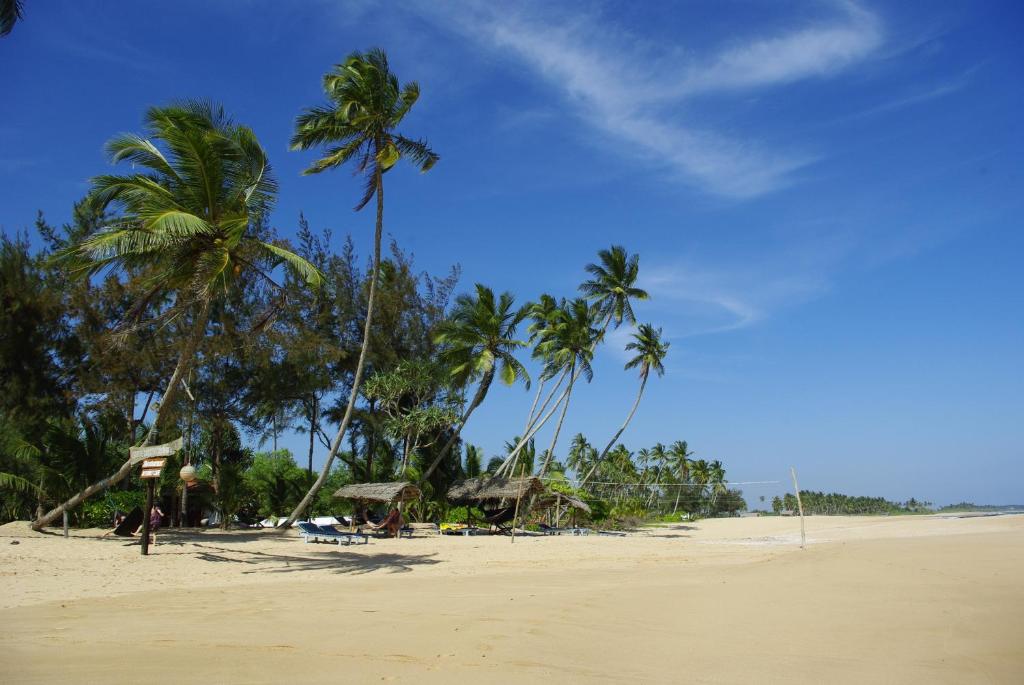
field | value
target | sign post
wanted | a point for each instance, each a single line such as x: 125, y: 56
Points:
x: 153, y: 459
x: 151, y: 470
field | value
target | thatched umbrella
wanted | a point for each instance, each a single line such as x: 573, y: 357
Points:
x: 364, y: 494
x: 484, y: 488
x: 379, y: 493
x: 559, y: 500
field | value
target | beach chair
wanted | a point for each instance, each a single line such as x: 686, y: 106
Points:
x: 333, y: 533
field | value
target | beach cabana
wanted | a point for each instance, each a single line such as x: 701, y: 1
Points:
x: 367, y: 494
x: 378, y: 493
x: 477, y: 491
x: 561, y: 504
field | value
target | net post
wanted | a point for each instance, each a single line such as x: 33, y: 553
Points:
x: 800, y: 506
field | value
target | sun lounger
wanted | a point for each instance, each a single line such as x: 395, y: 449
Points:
x: 331, y: 532
x: 551, y: 530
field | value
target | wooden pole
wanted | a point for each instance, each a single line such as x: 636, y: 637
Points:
x: 146, y: 514
x: 800, y: 506
x: 519, y: 496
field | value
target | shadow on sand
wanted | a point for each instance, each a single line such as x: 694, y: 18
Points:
x: 210, y: 546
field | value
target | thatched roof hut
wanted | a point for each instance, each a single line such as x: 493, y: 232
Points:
x: 379, y: 492
x: 474, y: 490
x: 551, y: 499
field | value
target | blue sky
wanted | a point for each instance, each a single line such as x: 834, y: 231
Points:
x: 825, y: 197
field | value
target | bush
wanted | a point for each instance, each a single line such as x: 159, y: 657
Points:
x: 99, y: 513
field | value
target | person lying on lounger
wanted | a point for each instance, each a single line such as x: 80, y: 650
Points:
x: 392, y: 522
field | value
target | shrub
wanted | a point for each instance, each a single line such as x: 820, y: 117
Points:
x: 99, y: 513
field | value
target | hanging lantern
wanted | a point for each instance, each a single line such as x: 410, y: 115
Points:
x: 188, y: 473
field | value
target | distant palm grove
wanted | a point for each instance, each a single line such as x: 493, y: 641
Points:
x: 170, y: 306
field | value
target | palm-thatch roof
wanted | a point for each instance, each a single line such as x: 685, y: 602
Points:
x: 379, y: 492
x: 492, y: 488
x: 551, y: 499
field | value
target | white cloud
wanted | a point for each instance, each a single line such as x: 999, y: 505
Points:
x: 634, y: 98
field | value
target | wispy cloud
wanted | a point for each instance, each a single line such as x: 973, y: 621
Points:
x: 915, y: 98
x: 597, y: 69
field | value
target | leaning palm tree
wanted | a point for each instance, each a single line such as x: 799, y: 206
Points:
x: 358, y: 125
x: 185, y: 227
x: 716, y: 481
x: 480, y: 342
x: 569, y: 348
x: 651, y: 353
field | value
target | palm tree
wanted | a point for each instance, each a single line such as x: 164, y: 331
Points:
x: 569, y: 347
x: 358, y: 125
x: 700, y: 472
x: 651, y: 353
x: 716, y: 479
x: 474, y: 461
x: 10, y: 14
x: 185, y: 227
x: 479, y: 339
x: 679, y: 461
x: 613, y: 286
x: 542, y: 314
x: 581, y: 454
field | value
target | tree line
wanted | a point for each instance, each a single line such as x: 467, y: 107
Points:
x: 170, y: 306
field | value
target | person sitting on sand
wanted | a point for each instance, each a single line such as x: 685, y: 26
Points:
x: 392, y: 522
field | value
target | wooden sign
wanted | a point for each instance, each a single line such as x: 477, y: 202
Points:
x: 137, y: 454
x: 152, y: 468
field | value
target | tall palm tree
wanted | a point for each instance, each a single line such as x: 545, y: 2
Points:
x: 542, y: 313
x: 358, y: 125
x: 568, y: 346
x: 479, y: 339
x: 612, y: 286
x: 651, y: 353
x: 679, y: 462
x: 185, y: 226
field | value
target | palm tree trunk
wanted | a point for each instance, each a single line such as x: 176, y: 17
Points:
x: 312, y: 432
x: 478, y: 398
x: 611, y: 443
x: 354, y: 395
x: 558, y: 429
x: 507, y: 465
x: 533, y: 408
x: 679, y: 491
x: 185, y: 359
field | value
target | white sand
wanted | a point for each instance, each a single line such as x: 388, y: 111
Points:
x: 898, y: 599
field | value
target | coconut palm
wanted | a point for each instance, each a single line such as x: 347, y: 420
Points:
x: 479, y: 342
x: 651, y: 353
x: 358, y: 125
x: 612, y: 286
x: 678, y: 461
x: 581, y: 454
x: 185, y: 227
x: 700, y: 473
x: 542, y: 313
x: 10, y: 14
x: 568, y: 347
x: 716, y: 481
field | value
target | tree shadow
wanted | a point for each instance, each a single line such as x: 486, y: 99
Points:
x: 324, y: 560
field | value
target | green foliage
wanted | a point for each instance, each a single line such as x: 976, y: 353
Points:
x: 99, y: 513
x: 276, y: 482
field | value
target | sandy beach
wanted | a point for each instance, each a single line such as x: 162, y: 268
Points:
x: 899, y: 599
